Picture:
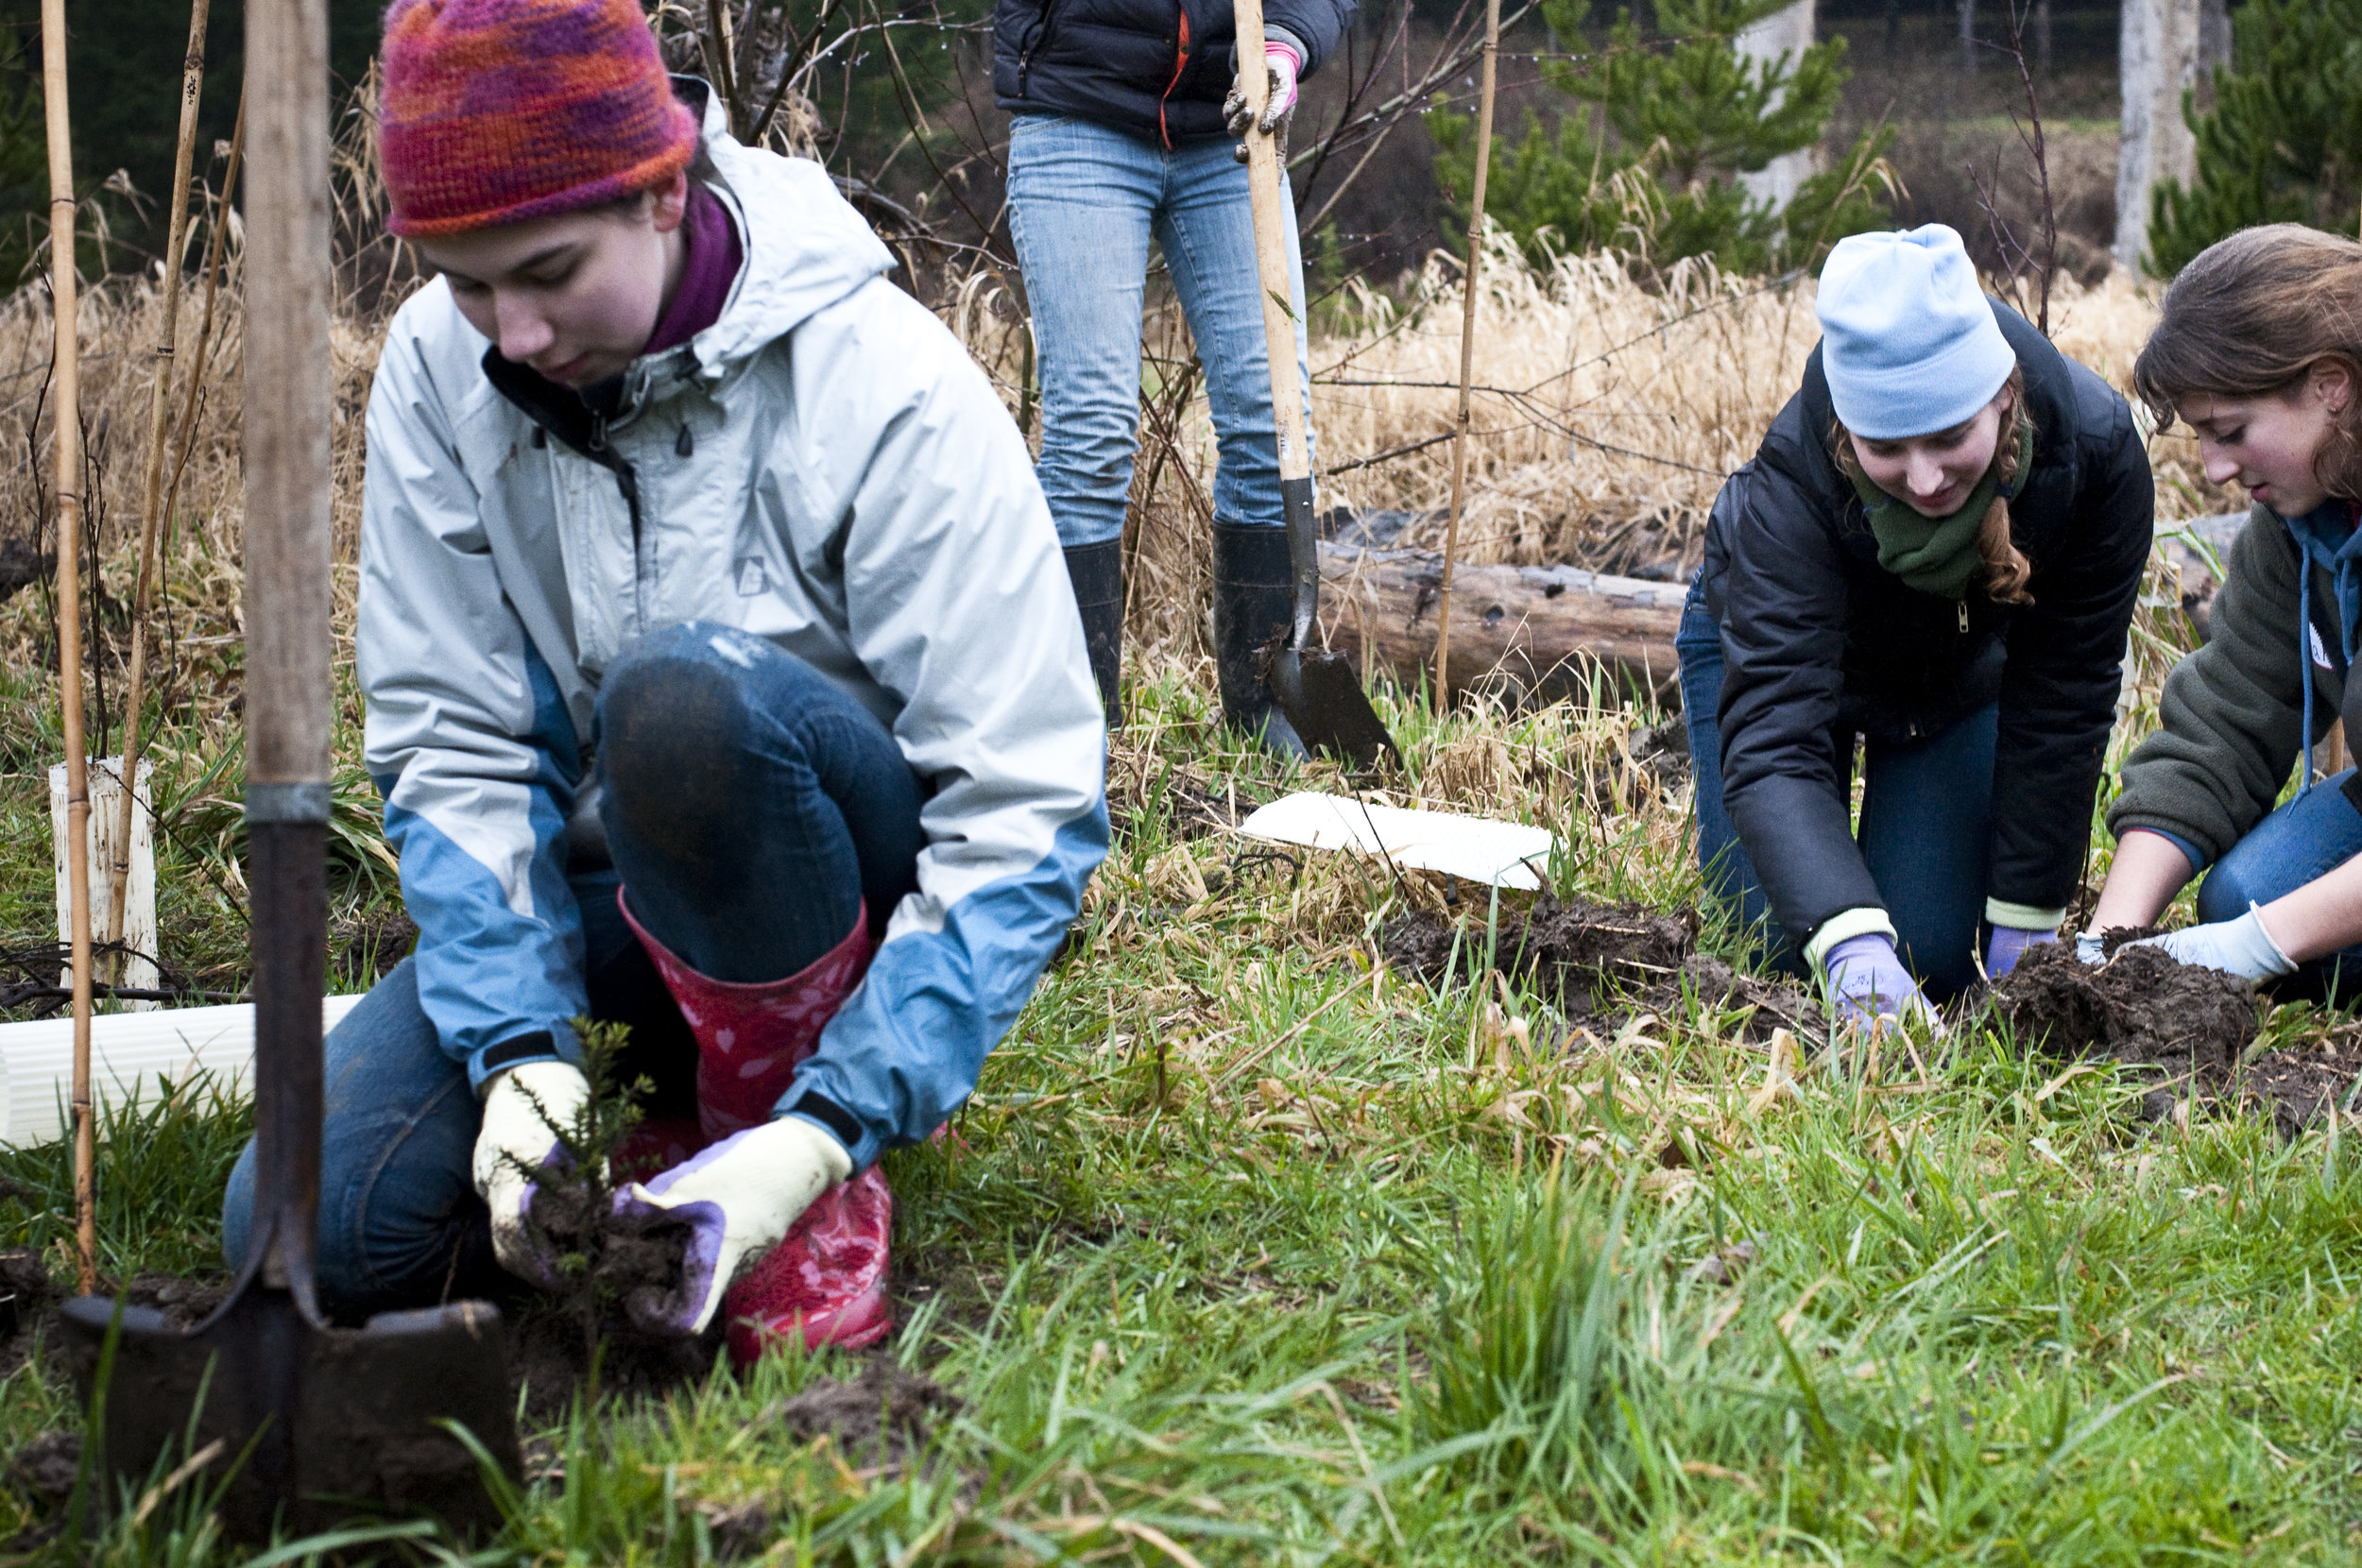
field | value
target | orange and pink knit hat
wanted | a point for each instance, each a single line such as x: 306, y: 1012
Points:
x: 499, y: 111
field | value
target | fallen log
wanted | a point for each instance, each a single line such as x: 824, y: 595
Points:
x: 1535, y: 634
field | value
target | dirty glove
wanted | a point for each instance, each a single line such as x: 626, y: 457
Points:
x: 738, y: 1198
x: 1281, y: 61
x: 2091, y: 946
x: 1868, y: 981
x: 2240, y: 947
x: 523, y: 1110
x: 2009, y: 945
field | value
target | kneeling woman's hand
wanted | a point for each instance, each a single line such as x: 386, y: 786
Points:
x: 525, y: 1111
x: 738, y: 1199
x: 2240, y: 947
x: 1869, y: 982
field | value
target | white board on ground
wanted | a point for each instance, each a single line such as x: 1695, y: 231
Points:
x: 131, y: 1053
x: 1478, y: 849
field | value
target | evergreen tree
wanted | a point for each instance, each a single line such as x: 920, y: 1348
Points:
x: 2284, y: 144
x: 1650, y: 162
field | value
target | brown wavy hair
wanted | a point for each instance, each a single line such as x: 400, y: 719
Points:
x: 2251, y: 317
x: 2006, y: 569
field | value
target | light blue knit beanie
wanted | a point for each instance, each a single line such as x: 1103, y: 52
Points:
x: 1907, y: 339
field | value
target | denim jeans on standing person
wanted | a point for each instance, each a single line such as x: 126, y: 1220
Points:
x: 753, y: 808
x: 1084, y: 203
x: 2301, y: 842
x: 1926, y: 822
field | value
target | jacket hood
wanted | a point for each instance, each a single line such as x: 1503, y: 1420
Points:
x: 806, y: 247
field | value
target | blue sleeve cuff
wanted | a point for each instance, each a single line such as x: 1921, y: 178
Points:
x: 2198, y: 857
x: 543, y: 1045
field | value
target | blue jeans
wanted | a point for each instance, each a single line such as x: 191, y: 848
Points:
x: 1926, y: 822
x: 1084, y: 201
x: 2299, y: 843
x: 752, y: 807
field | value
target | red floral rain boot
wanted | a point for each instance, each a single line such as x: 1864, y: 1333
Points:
x: 826, y: 1279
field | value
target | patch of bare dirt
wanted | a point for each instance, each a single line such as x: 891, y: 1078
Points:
x: 2188, y: 1026
x: 886, y: 1413
x: 2304, y: 1083
x: 1602, y: 962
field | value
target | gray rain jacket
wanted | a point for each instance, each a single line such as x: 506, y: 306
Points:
x: 824, y: 466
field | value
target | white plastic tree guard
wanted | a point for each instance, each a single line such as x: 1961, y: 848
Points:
x: 138, y: 920
x: 131, y: 1054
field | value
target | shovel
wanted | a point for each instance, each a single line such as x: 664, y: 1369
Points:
x: 295, y: 1424
x: 1314, y: 687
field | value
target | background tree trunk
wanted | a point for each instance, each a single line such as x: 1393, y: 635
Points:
x: 2158, y: 59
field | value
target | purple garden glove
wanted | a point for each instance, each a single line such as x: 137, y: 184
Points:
x: 737, y: 1199
x: 1867, y: 982
x: 523, y: 1110
x: 2009, y: 945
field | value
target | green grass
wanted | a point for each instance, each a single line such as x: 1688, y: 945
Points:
x: 1248, y: 1250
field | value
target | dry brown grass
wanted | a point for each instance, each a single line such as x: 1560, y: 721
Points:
x: 1620, y: 408
x: 1614, y: 412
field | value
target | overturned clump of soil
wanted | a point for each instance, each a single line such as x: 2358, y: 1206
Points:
x: 1601, y: 961
x: 2187, y: 1025
x: 885, y: 1413
x: 2304, y: 1083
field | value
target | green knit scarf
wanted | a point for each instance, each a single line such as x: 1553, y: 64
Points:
x: 1939, y: 555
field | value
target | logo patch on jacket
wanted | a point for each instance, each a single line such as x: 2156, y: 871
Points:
x: 2321, y: 654
x: 753, y: 580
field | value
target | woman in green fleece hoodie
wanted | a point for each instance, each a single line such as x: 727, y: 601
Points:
x: 2260, y: 351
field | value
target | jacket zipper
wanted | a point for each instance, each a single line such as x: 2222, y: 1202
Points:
x: 1041, y: 38
x: 1964, y: 606
x: 627, y: 480
x: 1180, y: 63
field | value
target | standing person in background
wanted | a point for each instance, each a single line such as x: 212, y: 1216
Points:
x: 2259, y: 350
x: 723, y: 682
x: 1123, y: 113
x: 1936, y: 549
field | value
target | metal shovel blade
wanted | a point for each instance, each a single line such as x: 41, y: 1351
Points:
x: 1321, y: 693
x: 1315, y: 687
x: 316, y: 1425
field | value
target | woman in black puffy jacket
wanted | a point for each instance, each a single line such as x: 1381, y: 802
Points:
x: 1937, y: 550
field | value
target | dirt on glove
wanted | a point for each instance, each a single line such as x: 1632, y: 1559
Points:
x: 2187, y: 1025
x: 1601, y: 962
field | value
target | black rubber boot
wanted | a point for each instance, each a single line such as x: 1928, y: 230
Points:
x: 1097, y: 573
x: 1251, y: 613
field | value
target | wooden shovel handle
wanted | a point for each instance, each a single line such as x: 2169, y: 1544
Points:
x: 1279, y: 334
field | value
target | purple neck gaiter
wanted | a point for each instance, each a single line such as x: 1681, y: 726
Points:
x: 706, y: 272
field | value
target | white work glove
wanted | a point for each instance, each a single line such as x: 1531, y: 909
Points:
x: 2240, y: 947
x: 2090, y: 947
x: 1281, y: 67
x: 523, y: 1110
x: 738, y: 1198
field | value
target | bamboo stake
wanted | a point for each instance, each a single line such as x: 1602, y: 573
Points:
x: 158, y: 415
x: 69, y: 486
x: 213, y: 248
x: 1467, y: 347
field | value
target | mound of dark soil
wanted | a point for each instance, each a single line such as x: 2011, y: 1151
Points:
x: 1602, y: 961
x: 2140, y: 1008
x: 184, y: 1302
